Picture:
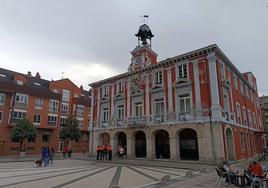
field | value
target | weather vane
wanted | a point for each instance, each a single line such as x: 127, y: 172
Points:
x: 144, y: 18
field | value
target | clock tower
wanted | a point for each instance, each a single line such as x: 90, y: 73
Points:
x: 143, y: 55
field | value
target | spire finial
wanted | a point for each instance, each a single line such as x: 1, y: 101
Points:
x: 144, y: 18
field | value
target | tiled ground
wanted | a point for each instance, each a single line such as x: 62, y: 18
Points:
x: 78, y: 173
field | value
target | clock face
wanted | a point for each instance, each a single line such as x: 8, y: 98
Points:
x: 138, y: 60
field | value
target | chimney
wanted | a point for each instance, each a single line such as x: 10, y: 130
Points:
x: 81, y: 88
x: 38, y: 75
x: 29, y: 74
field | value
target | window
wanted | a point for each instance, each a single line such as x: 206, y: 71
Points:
x: 138, y: 109
x: 53, y: 105
x: 31, y: 140
x: 18, y: 115
x: 19, y: 82
x: 248, y: 141
x: 182, y: 69
x: 38, y: 103
x: 1, y: 116
x: 241, y: 87
x: 52, y: 120
x: 238, y: 111
x: 65, y: 95
x: 120, y: 87
x: 242, y: 139
x: 159, y: 107
x: 20, y: 98
x: 79, y: 110
x: 158, y: 77
x: 222, y: 72
x: 254, y: 120
x: 184, y: 104
x: 105, y: 91
x: 235, y: 82
x: 2, y: 98
x: 105, y: 115
x: 121, y: 111
x: 45, y: 138
x: 37, y: 119
x: 55, y: 91
x: 226, y: 106
x: 250, y: 118
x: 80, y: 123
x: 85, y: 138
x: 65, y: 107
x: 63, y: 120
x: 245, y: 116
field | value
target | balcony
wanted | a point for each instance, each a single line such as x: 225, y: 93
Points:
x: 21, y: 104
x: 52, y: 123
x: 53, y: 109
x: 159, y: 118
x: 139, y: 121
x: 184, y: 116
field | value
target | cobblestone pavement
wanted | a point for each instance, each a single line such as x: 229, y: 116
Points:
x: 79, y: 173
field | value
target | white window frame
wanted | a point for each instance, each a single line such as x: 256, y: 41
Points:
x: 226, y: 106
x: 159, y: 103
x: 65, y: 107
x: 105, y: 115
x: 80, y: 109
x: 245, y: 116
x: 38, y: 103
x: 181, y: 74
x: 241, y: 87
x: 22, y: 98
x: 158, y: 77
x: 235, y: 82
x: 138, y: 109
x: 52, y: 119
x: 63, y: 119
x: 53, y: 105
x: 250, y: 118
x: 19, y: 115
x: 105, y: 91
x: 121, y: 112
x: 65, y: 95
x: 37, y: 123
x: 242, y: 140
x: 120, y: 87
x: 184, y: 98
x: 2, y: 98
x: 223, y: 75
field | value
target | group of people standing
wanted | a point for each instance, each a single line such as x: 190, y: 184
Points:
x: 47, y: 156
x: 104, y: 152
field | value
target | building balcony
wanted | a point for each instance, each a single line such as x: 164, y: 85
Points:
x: 20, y: 105
x: 159, y: 118
x: 52, y: 123
x: 53, y: 109
x: 137, y: 121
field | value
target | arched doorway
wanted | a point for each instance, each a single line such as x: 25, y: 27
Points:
x: 104, y: 139
x: 188, y: 145
x: 162, y: 150
x: 121, y: 141
x: 230, y: 144
x: 140, y: 144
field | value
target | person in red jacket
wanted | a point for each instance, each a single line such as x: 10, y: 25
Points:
x: 257, y: 170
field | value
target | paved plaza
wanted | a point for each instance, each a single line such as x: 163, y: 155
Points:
x: 96, y: 174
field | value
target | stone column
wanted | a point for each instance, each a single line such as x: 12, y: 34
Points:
x: 129, y: 147
x: 95, y: 142
x: 112, y: 144
x: 149, y: 148
x: 173, y: 148
x: 214, y: 90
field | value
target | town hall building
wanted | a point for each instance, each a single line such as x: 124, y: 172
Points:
x: 194, y: 106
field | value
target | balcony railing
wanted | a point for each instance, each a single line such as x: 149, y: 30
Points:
x: 52, y: 123
x: 21, y: 104
x: 136, y: 121
x: 53, y: 109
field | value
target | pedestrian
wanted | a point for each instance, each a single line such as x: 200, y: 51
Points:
x: 65, y: 151
x: 98, y: 152
x: 105, y: 151
x: 44, y: 156
x: 101, y: 153
x: 121, y: 152
x: 110, y: 152
x: 51, y: 156
x: 70, y: 152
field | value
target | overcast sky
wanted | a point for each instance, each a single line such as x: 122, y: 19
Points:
x: 90, y: 40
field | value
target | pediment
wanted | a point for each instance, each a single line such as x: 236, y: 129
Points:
x: 183, y: 82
